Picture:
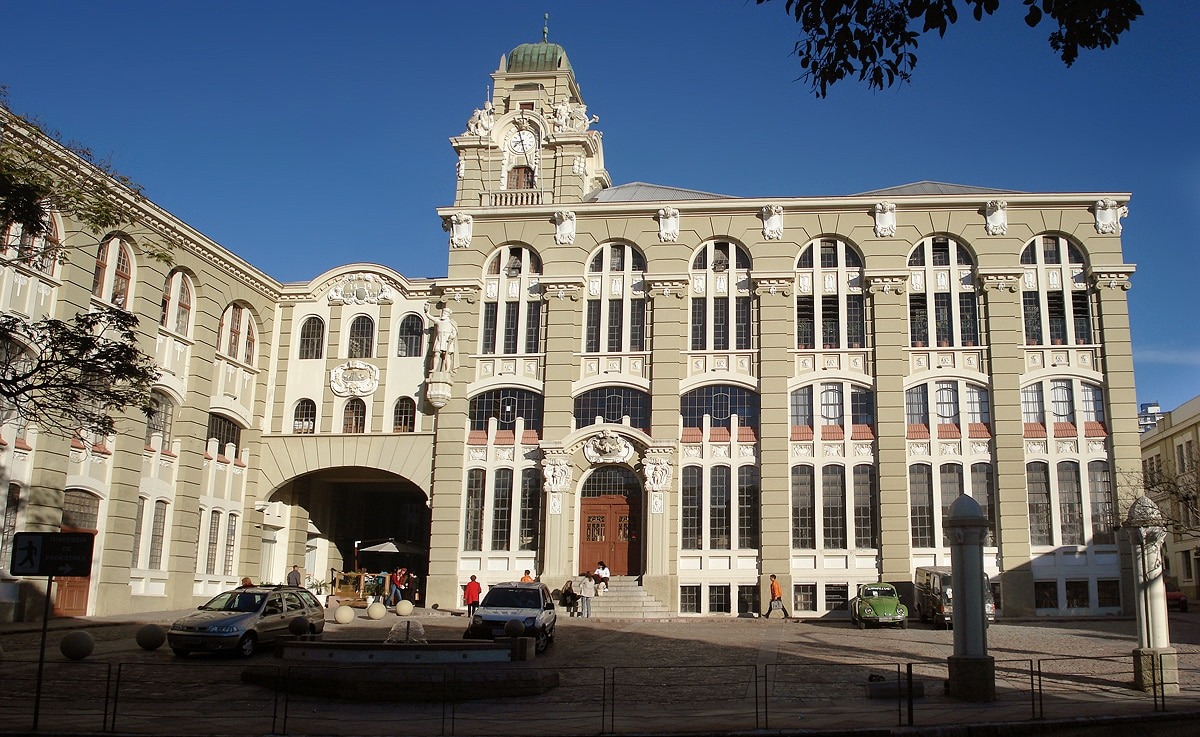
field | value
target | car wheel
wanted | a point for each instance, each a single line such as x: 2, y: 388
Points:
x: 862, y: 624
x: 247, y: 645
x: 543, y: 641
x: 903, y: 624
x: 181, y: 652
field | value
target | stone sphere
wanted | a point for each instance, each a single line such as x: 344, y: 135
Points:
x: 77, y: 645
x: 298, y: 626
x: 514, y: 628
x: 404, y: 608
x: 151, y: 637
x: 377, y: 610
x: 344, y: 614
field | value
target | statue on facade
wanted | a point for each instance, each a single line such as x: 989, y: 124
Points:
x: 445, y: 340
x: 482, y: 120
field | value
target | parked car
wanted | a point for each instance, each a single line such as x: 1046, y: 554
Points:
x: 935, y: 596
x: 529, y: 603
x: 244, y: 619
x: 877, y: 603
x: 1176, y: 599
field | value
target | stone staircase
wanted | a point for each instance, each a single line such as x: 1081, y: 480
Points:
x: 625, y: 599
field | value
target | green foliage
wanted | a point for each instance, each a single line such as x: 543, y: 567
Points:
x: 876, y: 40
x: 69, y: 377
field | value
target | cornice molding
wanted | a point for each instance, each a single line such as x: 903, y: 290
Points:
x: 770, y: 285
x: 562, y: 287
x: 886, y: 282
x: 1000, y: 281
x: 1112, y: 277
x: 666, y: 286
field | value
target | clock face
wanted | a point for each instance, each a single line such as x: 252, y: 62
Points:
x: 523, y: 142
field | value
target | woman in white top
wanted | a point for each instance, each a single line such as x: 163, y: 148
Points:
x: 587, y: 589
x: 601, y: 575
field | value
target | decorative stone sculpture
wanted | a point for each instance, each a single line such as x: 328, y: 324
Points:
x: 445, y: 340
x: 572, y: 117
x: 996, y: 217
x: 1155, y: 662
x: 1108, y: 216
x: 668, y: 225
x: 564, y: 227
x: 459, y: 226
x: 354, y: 379
x: 607, y: 447
x: 557, y: 472
x: 885, y: 220
x: 481, y: 121
x: 361, y: 289
x: 658, y: 473
x: 772, y: 217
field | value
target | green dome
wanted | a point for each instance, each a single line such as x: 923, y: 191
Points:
x: 538, y: 57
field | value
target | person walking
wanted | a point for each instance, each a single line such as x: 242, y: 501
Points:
x: 587, y: 589
x: 471, y: 596
x: 294, y: 578
x: 776, y: 600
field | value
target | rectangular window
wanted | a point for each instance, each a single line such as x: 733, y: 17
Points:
x: 1108, y: 593
x: 968, y: 318
x: 689, y: 599
x: 983, y: 487
x: 1100, y: 496
x: 512, y: 318
x: 1077, y: 595
x: 1050, y: 251
x: 720, y: 324
x: 829, y: 258
x: 856, y: 321
x: 950, y: 479
x: 831, y: 330
x: 690, y: 508
x: 719, y: 530
x: 805, y: 324
x: 920, y: 489
x: 1070, y: 504
x: 214, y: 534
x: 745, y: 323
x: 836, y: 596
x: 831, y: 405
x: 473, y: 518
x: 11, y: 503
x: 699, y: 323
x: 1045, y: 594
x: 833, y: 507
x: 1032, y: 408
x: 748, y: 600
x: 942, y: 322
x: 616, y: 325
x: 865, y: 501
x: 802, y: 407
x: 748, y: 506
x: 862, y: 406
x: 235, y: 330
x: 591, y: 338
x: 637, y: 324
x: 230, y: 544
x: 718, y: 600
x: 1081, y: 317
x: 138, y: 522
x: 501, y: 508
x: 1062, y: 401
x: 531, y: 488
x: 1032, y: 309
x: 940, y: 252
x: 918, y: 320
x: 804, y: 597
x: 487, y: 343
x: 947, y: 403
x: 804, y: 521
x: 978, y: 406
x: 1056, y: 311
x: 158, y: 529
x: 916, y: 405
x: 1038, y: 485
x: 533, y: 326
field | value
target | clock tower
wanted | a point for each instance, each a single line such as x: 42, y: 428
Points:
x: 532, y: 143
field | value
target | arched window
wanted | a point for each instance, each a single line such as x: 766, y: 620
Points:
x: 943, y: 306
x: 113, y: 275
x: 226, y: 432
x: 830, y: 307
x: 404, y: 416
x: 722, y: 318
x: 1055, y: 298
x: 304, y: 417
x: 947, y: 410
x: 158, y: 531
x: 613, y: 404
x: 36, y: 251
x: 719, y: 403
x: 177, y: 303
x: 409, y: 336
x: 80, y: 510
x: 160, y: 419
x: 237, y: 335
x: 616, y: 310
x: 354, y: 416
x: 312, y: 338
x: 506, y: 405
x: 362, y: 338
x: 513, y: 310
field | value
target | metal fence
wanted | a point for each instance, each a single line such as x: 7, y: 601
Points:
x: 218, y: 696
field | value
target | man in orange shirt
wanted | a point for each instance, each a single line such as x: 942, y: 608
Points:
x: 776, y: 596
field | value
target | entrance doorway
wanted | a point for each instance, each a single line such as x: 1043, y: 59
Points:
x: 610, y: 520
x: 81, y: 513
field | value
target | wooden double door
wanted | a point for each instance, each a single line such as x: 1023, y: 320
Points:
x: 610, y: 531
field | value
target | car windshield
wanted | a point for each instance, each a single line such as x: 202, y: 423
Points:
x: 512, y: 598
x: 872, y: 591
x: 235, y: 601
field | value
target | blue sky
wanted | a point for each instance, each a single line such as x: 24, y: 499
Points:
x: 303, y: 135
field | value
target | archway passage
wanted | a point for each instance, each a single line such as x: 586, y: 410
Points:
x: 611, y: 521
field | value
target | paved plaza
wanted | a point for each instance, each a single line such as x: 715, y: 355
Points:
x: 683, y: 675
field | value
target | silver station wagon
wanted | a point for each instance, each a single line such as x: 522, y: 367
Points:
x: 243, y: 619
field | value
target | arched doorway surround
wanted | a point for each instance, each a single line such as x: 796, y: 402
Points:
x: 610, y: 520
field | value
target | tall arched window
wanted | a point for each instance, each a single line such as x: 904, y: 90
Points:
x: 409, y: 336
x: 404, y: 416
x: 160, y: 419
x: 35, y: 251
x: 1055, y: 296
x: 312, y: 338
x: 354, y: 416
x: 237, y: 337
x: 513, y: 308
x: 830, y: 308
x: 616, y: 309
x: 722, y: 316
x: 304, y: 417
x: 225, y: 431
x: 943, y: 306
x: 113, y: 275
x: 362, y: 338
x: 177, y: 303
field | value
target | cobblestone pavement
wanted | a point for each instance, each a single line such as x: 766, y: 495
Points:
x: 678, y: 675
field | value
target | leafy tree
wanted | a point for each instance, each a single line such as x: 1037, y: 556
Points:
x: 1176, y: 491
x: 876, y: 40
x: 67, y: 376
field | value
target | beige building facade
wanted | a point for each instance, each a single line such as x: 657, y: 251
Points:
x: 698, y: 390
x: 1170, y: 468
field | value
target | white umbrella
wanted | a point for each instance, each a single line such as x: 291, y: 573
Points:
x: 391, y: 546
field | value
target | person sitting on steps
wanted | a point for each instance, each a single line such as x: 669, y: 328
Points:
x: 601, y: 574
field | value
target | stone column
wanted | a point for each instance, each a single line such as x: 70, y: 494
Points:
x: 972, y: 672
x: 1155, y: 663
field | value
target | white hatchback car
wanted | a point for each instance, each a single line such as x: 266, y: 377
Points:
x: 529, y: 603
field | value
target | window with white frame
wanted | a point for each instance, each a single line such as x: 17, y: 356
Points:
x: 362, y: 338
x: 979, y: 407
x: 950, y: 482
x: 804, y: 506
x: 1056, y: 300
x: 513, y: 309
x: 304, y: 417
x: 404, y: 415
x: 1062, y: 401
x: 410, y: 336
x: 12, y: 505
x: 158, y: 531
x: 226, y: 432
x: 1070, y: 504
x: 354, y: 416
x: 505, y: 406
x: 1037, y: 482
x: 135, y: 558
x: 722, y: 316
x: 615, y: 318
x: 159, y: 419
x: 866, y: 507
x: 947, y: 403
x: 613, y: 404
x: 38, y: 251
x: 711, y: 514
x: 312, y: 338
x: 983, y: 491
x: 112, y: 278
x: 719, y: 403
x: 1100, y: 496
x: 943, y: 302
x: 1033, y: 411
x: 177, y: 303
x: 920, y: 495
x: 238, y: 335
x: 830, y: 307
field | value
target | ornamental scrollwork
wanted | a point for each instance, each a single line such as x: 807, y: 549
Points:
x: 1108, y: 216
x: 885, y: 220
x: 996, y: 217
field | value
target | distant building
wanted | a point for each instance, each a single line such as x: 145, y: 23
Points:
x: 1171, y: 474
x: 699, y: 390
x: 1149, y: 413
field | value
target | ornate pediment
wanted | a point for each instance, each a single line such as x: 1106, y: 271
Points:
x: 607, y: 446
x: 361, y: 289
